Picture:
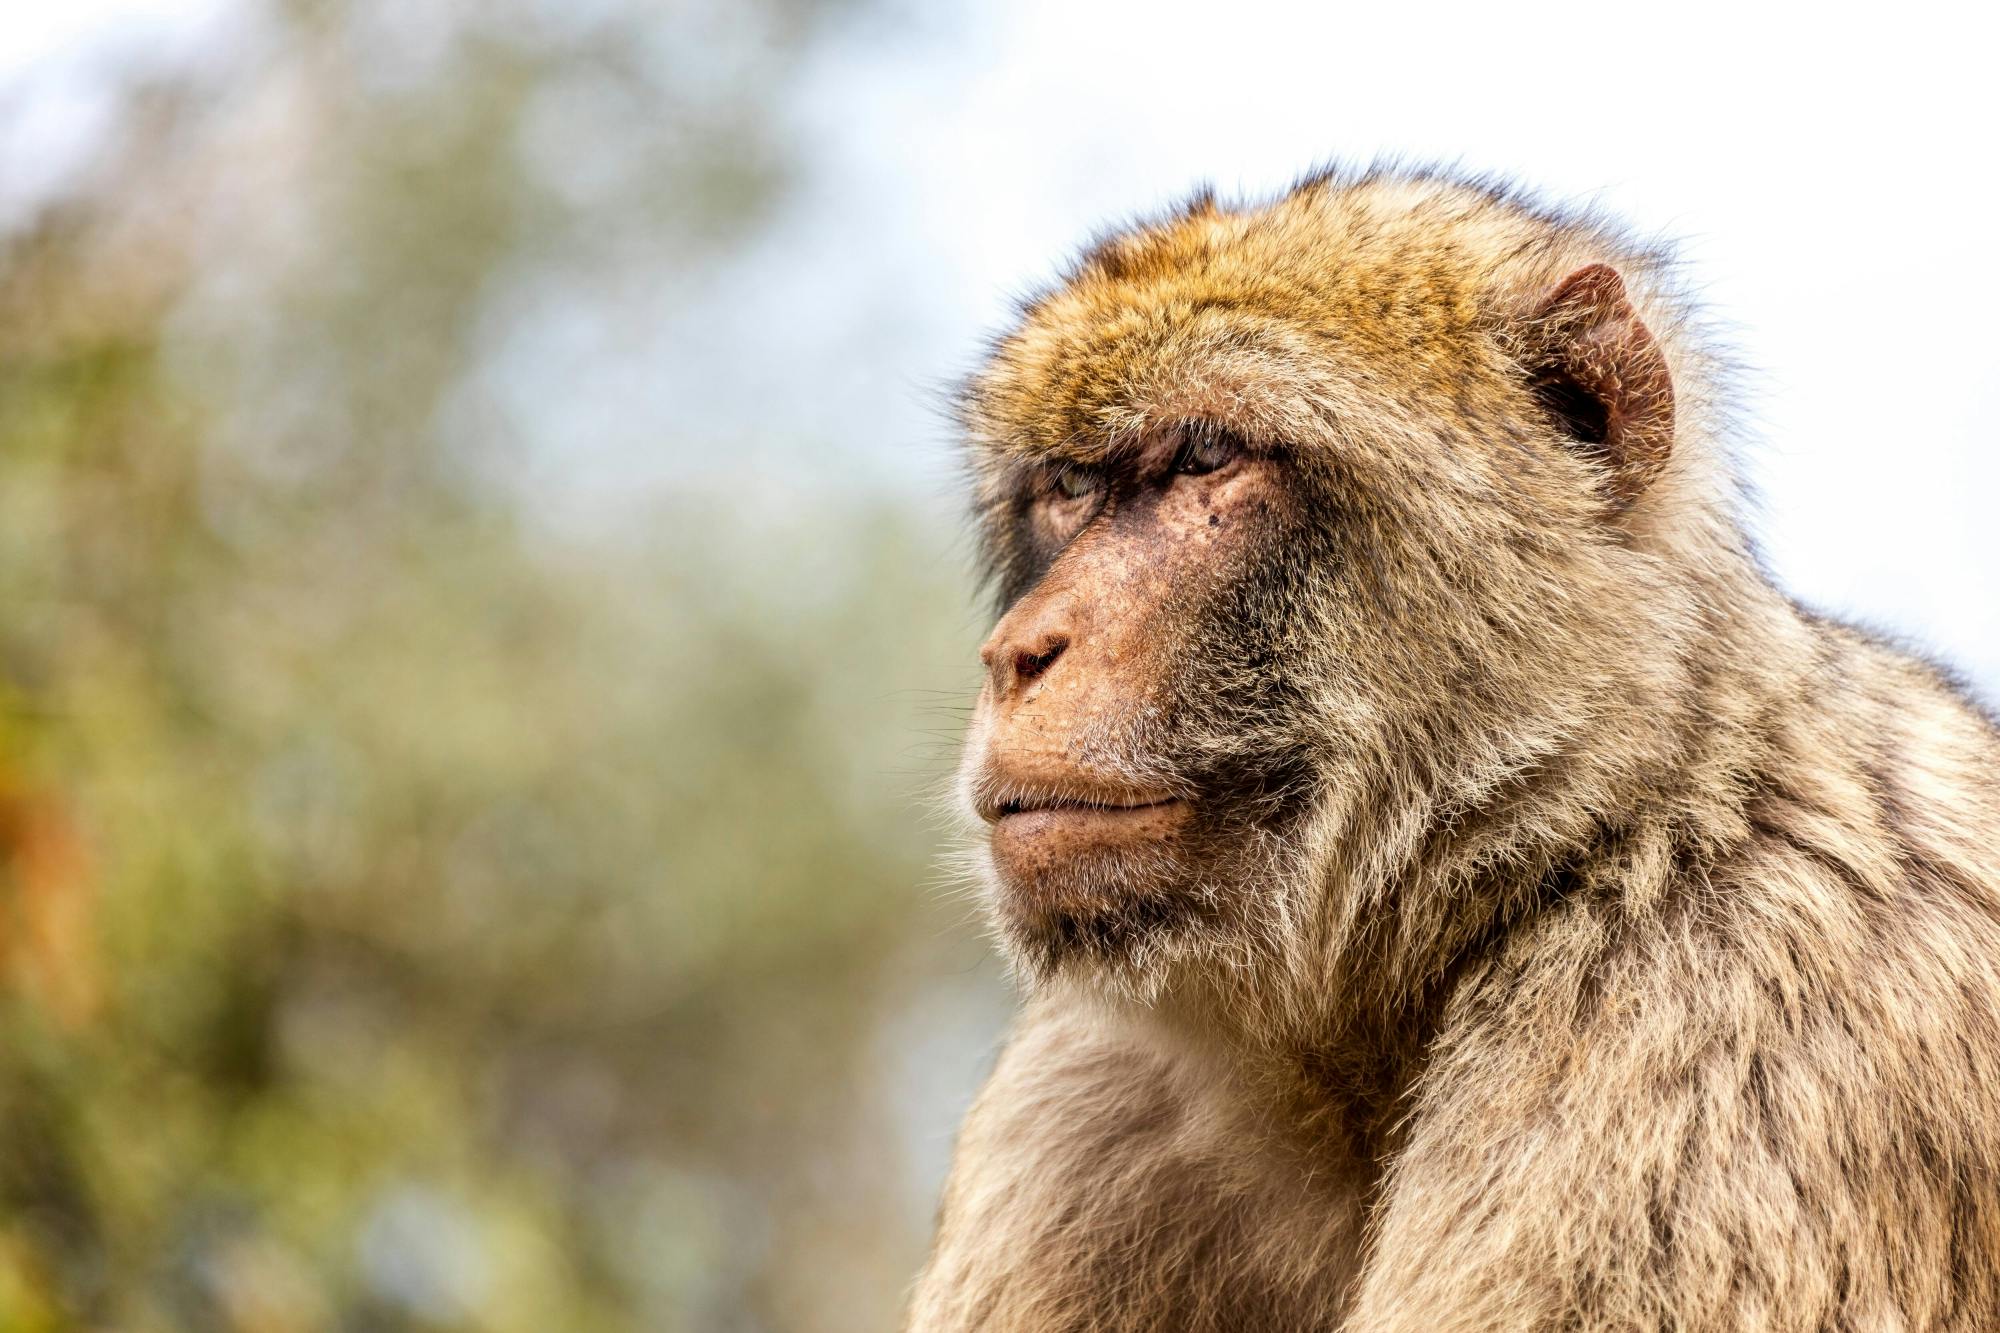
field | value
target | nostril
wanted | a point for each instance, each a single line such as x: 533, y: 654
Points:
x: 1027, y: 666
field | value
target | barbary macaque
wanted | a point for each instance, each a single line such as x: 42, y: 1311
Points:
x: 1453, y: 888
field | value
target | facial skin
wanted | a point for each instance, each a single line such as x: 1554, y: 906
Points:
x: 1101, y: 757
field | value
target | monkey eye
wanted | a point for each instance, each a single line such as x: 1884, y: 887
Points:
x: 1075, y: 482
x: 1206, y: 452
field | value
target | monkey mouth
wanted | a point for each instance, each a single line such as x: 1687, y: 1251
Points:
x: 1031, y: 805
x: 1040, y: 833
x: 1059, y: 805
x: 1078, y: 825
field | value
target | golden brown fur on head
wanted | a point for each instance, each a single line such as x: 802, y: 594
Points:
x: 1534, y: 919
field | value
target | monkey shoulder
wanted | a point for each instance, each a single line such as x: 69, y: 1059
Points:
x: 1764, y: 1093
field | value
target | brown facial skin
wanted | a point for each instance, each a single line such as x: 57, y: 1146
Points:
x: 1084, y: 758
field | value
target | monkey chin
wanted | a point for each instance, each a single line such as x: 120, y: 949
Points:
x: 1094, y: 886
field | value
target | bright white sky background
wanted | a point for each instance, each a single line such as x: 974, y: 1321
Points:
x: 1830, y: 171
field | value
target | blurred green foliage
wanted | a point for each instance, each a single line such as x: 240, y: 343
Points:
x: 414, y: 915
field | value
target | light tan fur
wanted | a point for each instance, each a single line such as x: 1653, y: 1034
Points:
x: 1635, y: 960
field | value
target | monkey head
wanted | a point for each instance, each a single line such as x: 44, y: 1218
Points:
x: 1320, y: 530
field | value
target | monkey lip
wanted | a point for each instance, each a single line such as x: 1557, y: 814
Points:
x: 1065, y: 805
x: 1035, y: 836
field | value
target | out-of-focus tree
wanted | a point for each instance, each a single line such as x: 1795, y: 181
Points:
x: 414, y: 913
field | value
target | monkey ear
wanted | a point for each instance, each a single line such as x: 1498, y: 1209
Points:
x: 1602, y: 376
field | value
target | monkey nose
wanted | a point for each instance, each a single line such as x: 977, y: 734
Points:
x: 1015, y: 659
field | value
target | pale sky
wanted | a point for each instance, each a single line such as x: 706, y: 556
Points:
x: 1831, y: 180
x: 1832, y: 183
x: 54, y: 58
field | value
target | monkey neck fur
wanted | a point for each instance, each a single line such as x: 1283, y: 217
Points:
x: 1403, y: 888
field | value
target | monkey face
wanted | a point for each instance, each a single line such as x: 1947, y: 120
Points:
x: 1319, y: 538
x: 1123, y: 754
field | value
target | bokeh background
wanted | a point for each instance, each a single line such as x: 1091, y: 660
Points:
x: 484, y: 621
